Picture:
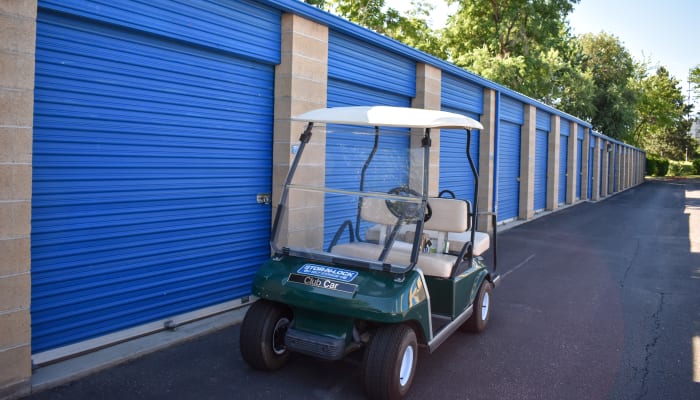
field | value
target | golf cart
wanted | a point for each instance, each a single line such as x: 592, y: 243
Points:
x: 363, y: 257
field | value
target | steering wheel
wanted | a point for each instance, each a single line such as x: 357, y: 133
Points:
x: 407, y: 211
x: 447, y: 191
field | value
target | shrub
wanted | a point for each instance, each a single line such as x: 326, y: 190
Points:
x: 652, y: 167
x: 662, y: 167
x: 696, y: 166
x: 680, y: 168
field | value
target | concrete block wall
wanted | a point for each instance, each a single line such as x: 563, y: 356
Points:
x: 527, y: 163
x: 553, y: 155
x: 301, y: 84
x: 17, y: 44
x: 428, y: 95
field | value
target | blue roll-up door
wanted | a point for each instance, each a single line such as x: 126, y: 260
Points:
x: 543, y: 123
x: 591, y: 149
x: 511, y: 114
x: 541, y: 148
x: 455, y: 173
x: 508, y: 170
x: 600, y: 171
x: 579, y: 167
x: 358, y: 75
x: 152, y: 137
x: 563, y: 156
x: 461, y: 97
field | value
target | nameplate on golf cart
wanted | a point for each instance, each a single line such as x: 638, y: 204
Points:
x: 322, y: 283
x: 324, y: 271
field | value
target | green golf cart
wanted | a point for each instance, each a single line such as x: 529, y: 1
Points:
x: 363, y: 256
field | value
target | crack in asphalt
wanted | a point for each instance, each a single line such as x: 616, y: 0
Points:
x: 649, y: 348
x: 629, y: 265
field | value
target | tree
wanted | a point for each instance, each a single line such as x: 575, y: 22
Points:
x: 612, y: 68
x: 661, y: 127
x: 522, y: 44
x: 695, y: 81
x: 411, y: 29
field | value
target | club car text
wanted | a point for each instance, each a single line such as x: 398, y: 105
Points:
x: 322, y: 283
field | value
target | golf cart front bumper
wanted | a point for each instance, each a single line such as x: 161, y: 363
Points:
x: 311, y: 344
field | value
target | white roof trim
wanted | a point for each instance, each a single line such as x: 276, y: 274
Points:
x: 389, y: 116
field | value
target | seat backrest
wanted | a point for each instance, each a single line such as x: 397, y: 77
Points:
x: 375, y: 210
x: 448, y: 215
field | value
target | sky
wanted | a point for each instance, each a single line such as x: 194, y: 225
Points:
x: 664, y: 33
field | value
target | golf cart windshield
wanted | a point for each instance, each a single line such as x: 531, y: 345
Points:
x: 357, y: 191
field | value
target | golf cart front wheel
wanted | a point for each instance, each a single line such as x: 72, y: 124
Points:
x: 390, y: 362
x: 262, y: 335
x: 482, y: 310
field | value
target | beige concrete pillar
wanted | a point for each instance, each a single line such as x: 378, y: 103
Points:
x: 17, y: 44
x: 571, y: 173
x: 527, y: 163
x: 428, y: 95
x: 486, y: 157
x: 606, y: 169
x: 596, y: 168
x: 553, y: 177
x: 301, y: 84
x: 585, y: 154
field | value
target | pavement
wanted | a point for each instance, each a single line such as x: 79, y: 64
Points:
x: 598, y: 301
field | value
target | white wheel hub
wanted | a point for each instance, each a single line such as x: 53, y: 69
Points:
x: 485, y: 306
x: 406, y: 366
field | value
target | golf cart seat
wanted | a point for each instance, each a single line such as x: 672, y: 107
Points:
x: 449, y: 223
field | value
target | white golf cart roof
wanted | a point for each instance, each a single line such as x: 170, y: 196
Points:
x: 389, y: 116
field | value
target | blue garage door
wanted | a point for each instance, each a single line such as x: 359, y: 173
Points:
x: 461, y: 97
x: 152, y: 137
x: 600, y: 171
x: 579, y: 167
x: 360, y: 75
x: 591, y: 149
x: 508, y: 158
x: 541, y: 148
x: 563, y: 160
x: 544, y: 126
x: 508, y: 170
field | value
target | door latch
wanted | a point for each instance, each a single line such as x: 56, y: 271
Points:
x: 263, y: 198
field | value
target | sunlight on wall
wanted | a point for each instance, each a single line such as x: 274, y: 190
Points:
x: 692, y: 208
x: 696, y: 359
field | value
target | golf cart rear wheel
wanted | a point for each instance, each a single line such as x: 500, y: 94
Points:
x: 482, y: 310
x: 390, y: 362
x: 262, y: 335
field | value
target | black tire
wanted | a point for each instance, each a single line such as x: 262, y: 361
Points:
x: 262, y: 335
x: 482, y: 310
x: 391, y: 348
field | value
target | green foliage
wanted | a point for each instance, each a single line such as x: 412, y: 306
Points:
x: 522, y: 44
x: 662, y: 167
x: 696, y: 166
x: 411, y: 29
x: 526, y: 45
x: 652, y: 167
x: 695, y: 81
x: 680, y: 168
x: 607, y: 60
x: 662, y: 127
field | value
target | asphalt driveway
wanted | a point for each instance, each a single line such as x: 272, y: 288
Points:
x: 598, y: 301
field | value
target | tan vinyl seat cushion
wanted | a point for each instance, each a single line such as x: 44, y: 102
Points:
x: 448, y: 215
x: 434, y: 264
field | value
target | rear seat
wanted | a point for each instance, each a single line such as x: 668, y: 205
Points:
x: 449, y: 222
